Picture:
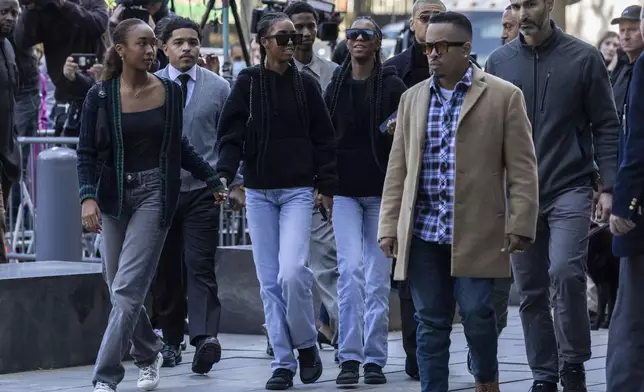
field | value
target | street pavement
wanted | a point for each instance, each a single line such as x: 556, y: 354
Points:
x: 245, y: 367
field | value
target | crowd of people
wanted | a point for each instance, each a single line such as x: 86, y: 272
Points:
x: 455, y: 178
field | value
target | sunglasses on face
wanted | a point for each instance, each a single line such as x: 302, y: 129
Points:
x: 366, y: 34
x: 283, y: 39
x: 441, y: 47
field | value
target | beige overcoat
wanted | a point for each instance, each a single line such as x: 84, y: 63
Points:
x: 493, y: 142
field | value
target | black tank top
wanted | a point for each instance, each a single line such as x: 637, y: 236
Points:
x: 142, y: 139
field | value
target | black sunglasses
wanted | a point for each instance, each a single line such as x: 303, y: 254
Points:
x: 441, y: 47
x: 283, y: 39
x: 366, y: 34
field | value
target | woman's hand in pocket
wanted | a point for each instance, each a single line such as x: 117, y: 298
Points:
x: 91, y: 216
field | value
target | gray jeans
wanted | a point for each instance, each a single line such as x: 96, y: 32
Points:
x: 324, y: 264
x: 625, y: 352
x: 558, y: 255
x: 132, y: 246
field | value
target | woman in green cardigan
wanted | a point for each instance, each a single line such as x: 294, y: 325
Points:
x: 130, y: 155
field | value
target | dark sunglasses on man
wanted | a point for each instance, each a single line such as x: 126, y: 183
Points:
x: 366, y: 34
x: 441, y: 47
x: 283, y: 39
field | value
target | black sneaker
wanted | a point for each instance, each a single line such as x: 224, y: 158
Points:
x: 543, y: 386
x: 411, y: 368
x: 281, y: 380
x: 373, y: 374
x: 573, y: 377
x: 310, y: 365
x: 349, y: 373
x: 207, y: 353
x: 171, y: 355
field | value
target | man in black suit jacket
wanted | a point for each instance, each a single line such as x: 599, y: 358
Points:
x: 625, y: 352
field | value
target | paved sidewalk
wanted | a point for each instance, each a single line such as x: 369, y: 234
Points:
x: 245, y: 367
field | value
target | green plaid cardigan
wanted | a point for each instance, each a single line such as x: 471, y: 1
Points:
x: 103, y: 181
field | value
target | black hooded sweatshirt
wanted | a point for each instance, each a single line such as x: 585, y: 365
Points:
x: 291, y: 154
x: 363, y: 151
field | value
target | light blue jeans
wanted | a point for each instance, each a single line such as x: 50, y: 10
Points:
x: 279, y: 221
x: 364, y: 282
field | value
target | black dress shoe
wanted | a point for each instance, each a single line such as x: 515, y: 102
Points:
x: 310, y: 365
x: 171, y: 355
x: 281, y: 380
x: 207, y: 353
x: 411, y: 368
x: 323, y: 340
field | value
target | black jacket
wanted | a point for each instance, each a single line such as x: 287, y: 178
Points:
x: 570, y: 105
x: 621, y: 79
x: 29, y: 74
x: 9, y: 155
x: 76, y: 27
x: 628, y: 194
x: 109, y: 189
x: 293, y: 154
x: 363, y: 152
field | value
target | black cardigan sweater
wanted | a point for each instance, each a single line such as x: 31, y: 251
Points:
x: 363, y: 152
x: 106, y: 185
x: 292, y: 154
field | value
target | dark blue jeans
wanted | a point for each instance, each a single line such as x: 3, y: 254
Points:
x: 435, y: 293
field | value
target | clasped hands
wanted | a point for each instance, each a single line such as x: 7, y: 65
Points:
x: 602, y: 212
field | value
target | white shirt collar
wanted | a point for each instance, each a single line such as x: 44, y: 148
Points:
x: 174, y: 73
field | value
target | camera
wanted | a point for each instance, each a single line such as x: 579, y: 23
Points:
x: 135, y: 9
x: 328, y: 19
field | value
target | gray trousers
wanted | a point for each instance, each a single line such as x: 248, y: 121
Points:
x: 132, y: 246
x: 558, y: 255
x: 625, y: 352
x: 324, y: 264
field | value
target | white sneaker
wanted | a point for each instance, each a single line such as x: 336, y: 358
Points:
x: 102, y: 387
x: 149, y: 375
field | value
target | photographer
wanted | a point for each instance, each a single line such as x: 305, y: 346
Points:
x: 156, y: 9
x: 63, y: 27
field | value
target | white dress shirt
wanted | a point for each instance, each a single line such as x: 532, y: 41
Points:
x: 174, y: 73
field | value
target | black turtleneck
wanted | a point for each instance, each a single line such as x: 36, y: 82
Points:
x: 420, y: 67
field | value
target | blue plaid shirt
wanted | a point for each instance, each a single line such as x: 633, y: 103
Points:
x: 434, y: 209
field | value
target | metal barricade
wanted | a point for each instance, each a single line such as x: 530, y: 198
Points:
x: 20, y: 237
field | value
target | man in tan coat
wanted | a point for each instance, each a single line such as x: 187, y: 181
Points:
x: 462, y: 138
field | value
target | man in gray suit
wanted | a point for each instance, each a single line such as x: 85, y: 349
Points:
x: 187, y: 264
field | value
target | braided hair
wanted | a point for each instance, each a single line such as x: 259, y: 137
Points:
x: 374, y: 89
x: 263, y: 27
